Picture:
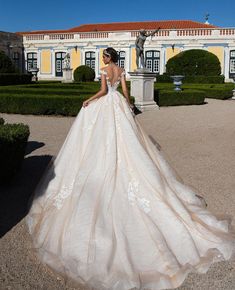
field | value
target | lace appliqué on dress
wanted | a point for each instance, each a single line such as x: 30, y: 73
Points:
x: 133, y: 191
x: 64, y: 192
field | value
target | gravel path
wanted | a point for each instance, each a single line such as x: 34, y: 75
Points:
x: 198, y: 141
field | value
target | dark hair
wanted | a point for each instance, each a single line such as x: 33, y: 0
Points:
x: 109, y: 51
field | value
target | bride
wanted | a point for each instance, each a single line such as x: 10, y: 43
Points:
x: 109, y: 212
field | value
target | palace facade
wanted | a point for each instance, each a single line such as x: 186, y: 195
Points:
x: 46, y: 49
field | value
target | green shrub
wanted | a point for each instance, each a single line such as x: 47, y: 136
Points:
x: 14, y: 79
x: 194, y: 62
x: 164, y: 78
x: 204, y: 79
x: 42, y: 105
x: 84, y: 73
x: 2, y: 121
x: 6, y: 65
x: 13, y: 141
x: 221, y: 94
x: 176, y: 98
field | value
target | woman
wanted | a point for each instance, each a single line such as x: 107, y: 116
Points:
x: 109, y: 211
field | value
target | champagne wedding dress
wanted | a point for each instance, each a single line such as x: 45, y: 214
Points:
x: 110, y: 213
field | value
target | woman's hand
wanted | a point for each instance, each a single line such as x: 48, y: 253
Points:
x: 131, y: 106
x: 86, y: 103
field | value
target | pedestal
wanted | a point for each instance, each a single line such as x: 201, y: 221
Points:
x: 142, y: 89
x: 67, y: 75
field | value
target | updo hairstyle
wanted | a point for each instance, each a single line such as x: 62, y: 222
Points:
x: 112, y: 53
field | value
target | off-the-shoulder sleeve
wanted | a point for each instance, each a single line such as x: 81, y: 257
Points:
x: 103, y: 72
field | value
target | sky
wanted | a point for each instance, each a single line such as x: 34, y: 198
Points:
x: 31, y: 15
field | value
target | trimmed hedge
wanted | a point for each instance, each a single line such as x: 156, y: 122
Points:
x: 14, y: 79
x: 13, y: 141
x: 176, y: 98
x: 42, y: 105
x: 214, y: 91
x: 84, y: 73
x: 193, y: 79
x: 194, y: 62
x: 2, y: 121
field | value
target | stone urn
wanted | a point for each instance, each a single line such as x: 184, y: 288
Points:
x: 177, y: 81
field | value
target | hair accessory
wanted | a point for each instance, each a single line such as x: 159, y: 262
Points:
x: 106, y: 53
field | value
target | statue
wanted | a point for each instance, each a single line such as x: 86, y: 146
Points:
x: 139, y: 46
x: 66, y: 61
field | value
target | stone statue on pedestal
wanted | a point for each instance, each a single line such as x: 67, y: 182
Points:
x: 139, y: 46
x: 67, y: 70
x: 66, y: 61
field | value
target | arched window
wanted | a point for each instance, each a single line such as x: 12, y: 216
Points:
x: 59, y: 57
x: 152, y: 60
x: 90, y: 59
x: 31, y: 60
x: 232, y: 64
x: 121, y: 58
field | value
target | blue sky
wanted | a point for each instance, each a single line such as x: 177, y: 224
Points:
x: 48, y: 14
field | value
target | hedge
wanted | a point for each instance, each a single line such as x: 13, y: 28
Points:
x: 194, y: 62
x: 42, y: 105
x: 193, y: 79
x: 14, y: 79
x: 84, y: 73
x: 176, y: 98
x: 13, y: 141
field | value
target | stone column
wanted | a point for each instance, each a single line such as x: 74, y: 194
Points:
x: 142, y: 89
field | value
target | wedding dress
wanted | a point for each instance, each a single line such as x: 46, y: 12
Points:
x: 110, y: 213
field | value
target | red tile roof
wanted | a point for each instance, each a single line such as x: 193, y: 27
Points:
x: 127, y: 26
x: 148, y: 25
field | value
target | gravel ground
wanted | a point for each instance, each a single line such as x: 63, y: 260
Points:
x: 198, y: 141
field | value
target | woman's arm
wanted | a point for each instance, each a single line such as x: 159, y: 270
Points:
x: 101, y: 92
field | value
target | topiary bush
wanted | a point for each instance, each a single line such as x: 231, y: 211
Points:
x: 6, y: 65
x: 84, y: 73
x: 194, y: 62
x: 13, y: 141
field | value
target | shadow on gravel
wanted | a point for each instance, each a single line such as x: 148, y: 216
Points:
x: 33, y: 145
x: 15, y: 197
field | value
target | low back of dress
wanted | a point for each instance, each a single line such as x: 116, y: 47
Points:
x: 113, y: 77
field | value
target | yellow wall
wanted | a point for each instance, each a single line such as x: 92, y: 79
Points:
x: 133, y: 59
x: 170, y: 53
x: 101, y: 63
x: 75, y: 58
x: 45, y: 61
x: 219, y: 52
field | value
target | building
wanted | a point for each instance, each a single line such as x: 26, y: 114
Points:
x: 85, y: 43
x: 12, y: 45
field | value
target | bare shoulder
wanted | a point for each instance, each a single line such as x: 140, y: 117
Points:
x: 103, y: 69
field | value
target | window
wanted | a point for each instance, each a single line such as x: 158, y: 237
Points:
x: 121, y: 58
x: 16, y: 59
x: 90, y: 59
x: 152, y: 60
x: 232, y: 64
x: 31, y: 60
x: 59, y: 57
